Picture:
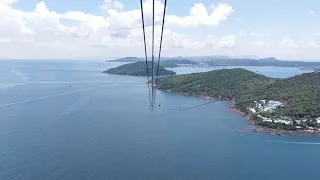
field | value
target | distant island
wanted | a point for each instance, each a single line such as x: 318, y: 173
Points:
x: 138, y: 69
x: 271, y: 61
x: 284, y: 104
x: 164, y: 62
x: 225, y: 61
x: 172, y: 63
x: 127, y: 59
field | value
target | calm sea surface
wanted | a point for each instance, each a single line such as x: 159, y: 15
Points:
x: 66, y: 120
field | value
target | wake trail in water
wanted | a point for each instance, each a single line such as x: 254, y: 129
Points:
x: 295, y: 142
x: 45, y: 97
x: 60, y: 82
x: 18, y: 73
x: 68, y: 82
x: 65, y: 82
x: 195, y: 106
x: 5, y: 86
x: 9, y: 85
x: 124, y: 85
x: 81, y: 101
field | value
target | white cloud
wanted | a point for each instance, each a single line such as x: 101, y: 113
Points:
x: 5, y: 40
x: 177, y: 41
x: 254, y: 33
x: 258, y: 34
x: 261, y: 44
x: 311, y: 12
x: 7, y: 2
x: 109, y: 4
x: 132, y: 18
x: 227, y: 41
x: 209, y: 42
x: 44, y: 33
x: 87, y: 20
x: 287, y: 42
x: 312, y: 44
x: 199, y: 16
x: 44, y: 27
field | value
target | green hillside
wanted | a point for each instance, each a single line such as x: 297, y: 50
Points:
x: 299, y: 95
x: 227, y: 83
x: 137, y: 69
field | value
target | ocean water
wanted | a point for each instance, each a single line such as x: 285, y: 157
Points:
x: 66, y: 120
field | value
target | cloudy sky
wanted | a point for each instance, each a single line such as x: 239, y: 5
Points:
x: 89, y: 29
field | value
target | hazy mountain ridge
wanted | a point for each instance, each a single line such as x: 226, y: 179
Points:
x: 224, y: 60
x: 164, y: 62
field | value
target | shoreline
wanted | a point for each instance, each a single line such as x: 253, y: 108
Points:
x: 257, y: 128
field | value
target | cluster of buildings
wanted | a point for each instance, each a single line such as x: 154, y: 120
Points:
x: 266, y: 106
x: 269, y: 106
x: 283, y: 120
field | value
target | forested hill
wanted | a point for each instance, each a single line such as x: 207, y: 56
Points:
x: 137, y: 69
x: 299, y: 95
x: 227, y: 83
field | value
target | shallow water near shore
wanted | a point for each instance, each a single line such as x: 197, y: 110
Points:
x: 67, y: 120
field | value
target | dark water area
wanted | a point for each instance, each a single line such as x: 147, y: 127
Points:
x: 66, y: 120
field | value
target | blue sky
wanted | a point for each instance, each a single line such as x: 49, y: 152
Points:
x: 82, y: 29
